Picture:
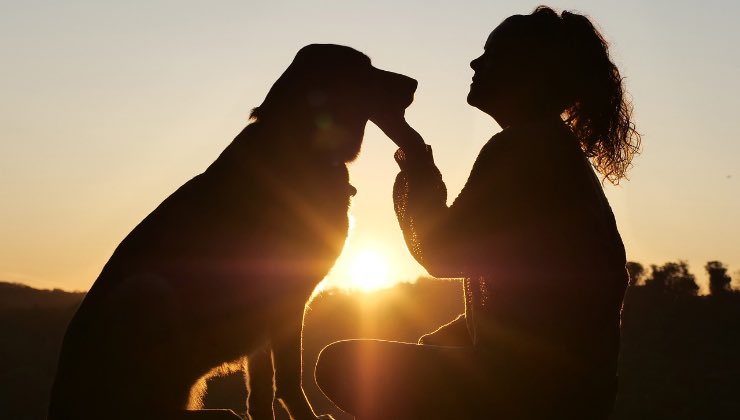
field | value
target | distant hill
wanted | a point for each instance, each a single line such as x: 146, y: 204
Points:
x: 20, y: 296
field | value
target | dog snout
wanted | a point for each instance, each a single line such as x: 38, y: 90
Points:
x: 401, y: 82
x: 407, y: 88
x: 410, y: 83
x: 397, y: 89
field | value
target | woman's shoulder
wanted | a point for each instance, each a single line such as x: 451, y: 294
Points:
x: 546, y: 138
x: 541, y: 130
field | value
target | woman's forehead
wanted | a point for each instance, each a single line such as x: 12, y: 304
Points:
x: 507, y: 27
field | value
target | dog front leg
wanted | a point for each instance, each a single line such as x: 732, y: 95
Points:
x: 287, y: 359
x: 261, y: 385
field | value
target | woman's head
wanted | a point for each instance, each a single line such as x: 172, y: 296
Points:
x: 548, y: 64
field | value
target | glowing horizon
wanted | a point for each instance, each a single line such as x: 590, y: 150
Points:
x: 109, y: 110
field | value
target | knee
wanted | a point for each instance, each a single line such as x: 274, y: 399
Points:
x: 337, y: 367
x: 336, y: 373
x: 326, y: 367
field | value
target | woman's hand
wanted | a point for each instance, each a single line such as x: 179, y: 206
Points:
x: 394, y: 125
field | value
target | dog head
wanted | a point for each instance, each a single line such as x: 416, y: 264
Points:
x: 331, y: 91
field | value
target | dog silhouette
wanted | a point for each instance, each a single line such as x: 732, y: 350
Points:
x: 221, y: 270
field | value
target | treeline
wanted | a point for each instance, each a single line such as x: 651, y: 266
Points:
x: 675, y: 278
x: 679, y: 351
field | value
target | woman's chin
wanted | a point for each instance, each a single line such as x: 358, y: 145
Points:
x: 474, y: 98
x: 471, y: 98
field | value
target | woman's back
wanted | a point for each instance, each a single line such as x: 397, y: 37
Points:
x: 545, y: 316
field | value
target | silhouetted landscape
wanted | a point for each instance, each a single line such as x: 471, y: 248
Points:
x: 678, y: 361
x: 32, y: 324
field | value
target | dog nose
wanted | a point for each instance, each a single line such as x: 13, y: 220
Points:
x: 397, y: 80
x: 405, y: 85
x: 406, y: 89
x: 411, y: 83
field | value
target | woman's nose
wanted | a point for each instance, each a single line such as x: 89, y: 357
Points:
x: 475, y: 64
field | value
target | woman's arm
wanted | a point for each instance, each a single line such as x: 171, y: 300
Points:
x: 444, y: 240
x: 420, y: 202
x: 488, y: 226
x: 420, y: 198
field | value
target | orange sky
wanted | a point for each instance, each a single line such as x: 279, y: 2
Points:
x: 106, y: 109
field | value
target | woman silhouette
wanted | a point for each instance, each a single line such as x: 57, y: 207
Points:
x: 532, y: 234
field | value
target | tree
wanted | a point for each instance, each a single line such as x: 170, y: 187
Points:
x: 636, y: 272
x: 673, y: 277
x: 719, y: 280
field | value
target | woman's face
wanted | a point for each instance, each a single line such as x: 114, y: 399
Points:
x: 491, y: 70
x: 506, y: 80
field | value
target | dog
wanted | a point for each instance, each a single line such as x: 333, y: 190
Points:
x: 222, y: 269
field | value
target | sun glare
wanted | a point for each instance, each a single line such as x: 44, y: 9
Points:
x: 369, y: 271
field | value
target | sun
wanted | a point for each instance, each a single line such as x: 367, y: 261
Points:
x: 369, y: 271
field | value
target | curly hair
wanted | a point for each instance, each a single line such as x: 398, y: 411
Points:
x: 592, y: 96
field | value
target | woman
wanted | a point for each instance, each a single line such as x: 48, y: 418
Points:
x: 531, y: 232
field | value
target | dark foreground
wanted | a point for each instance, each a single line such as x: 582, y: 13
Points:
x: 679, y: 353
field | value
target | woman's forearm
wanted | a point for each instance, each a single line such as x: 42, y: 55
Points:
x: 431, y: 229
x: 429, y: 226
x: 401, y: 133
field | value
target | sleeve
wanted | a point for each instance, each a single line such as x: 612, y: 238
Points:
x: 488, y: 225
x: 419, y: 199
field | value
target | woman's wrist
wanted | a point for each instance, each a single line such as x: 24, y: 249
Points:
x: 416, y: 156
x: 412, y: 150
x: 414, y: 146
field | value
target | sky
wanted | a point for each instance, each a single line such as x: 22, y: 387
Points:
x: 107, y: 107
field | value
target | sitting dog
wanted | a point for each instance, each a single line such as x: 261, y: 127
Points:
x: 222, y: 269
